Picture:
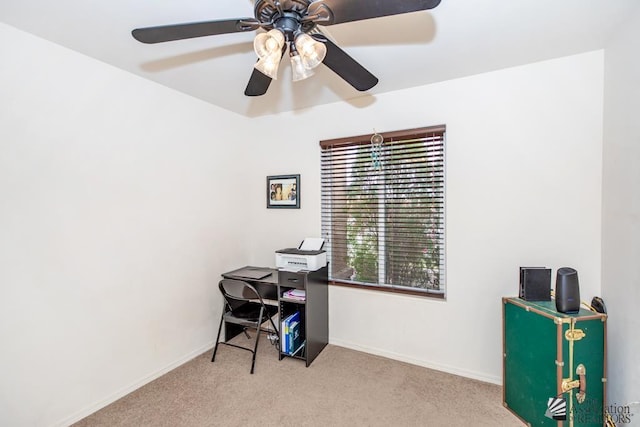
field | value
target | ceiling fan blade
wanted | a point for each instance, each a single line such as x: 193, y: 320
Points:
x: 345, y: 66
x: 258, y: 84
x: 338, y: 11
x: 167, y: 33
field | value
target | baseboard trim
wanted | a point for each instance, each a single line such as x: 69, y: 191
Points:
x: 426, y: 364
x: 131, y: 387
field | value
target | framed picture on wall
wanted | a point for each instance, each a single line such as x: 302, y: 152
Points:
x: 283, y: 191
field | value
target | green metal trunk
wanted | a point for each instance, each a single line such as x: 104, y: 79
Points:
x: 551, y: 358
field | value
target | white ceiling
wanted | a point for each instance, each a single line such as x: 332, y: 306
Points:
x: 456, y: 39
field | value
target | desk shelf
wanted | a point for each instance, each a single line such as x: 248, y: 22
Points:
x: 314, y: 318
x: 293, y: 301
x: 286, y: 309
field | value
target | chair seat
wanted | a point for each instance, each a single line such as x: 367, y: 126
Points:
x: 247, y: 311
x: 251, y: 312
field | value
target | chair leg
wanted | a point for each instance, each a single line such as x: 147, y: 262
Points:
x: 255, y: 348
x: 215, y: 348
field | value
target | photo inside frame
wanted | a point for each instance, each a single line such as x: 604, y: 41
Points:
x: 283, y: 191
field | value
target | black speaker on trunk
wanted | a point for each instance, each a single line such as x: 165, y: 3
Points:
x: 567, y: 290
x: 535, y: 283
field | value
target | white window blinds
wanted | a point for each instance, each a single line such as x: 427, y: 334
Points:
x: 383, y: 210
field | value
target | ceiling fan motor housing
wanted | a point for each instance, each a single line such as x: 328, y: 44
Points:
x: 289, y: 24
x: 287, y: 18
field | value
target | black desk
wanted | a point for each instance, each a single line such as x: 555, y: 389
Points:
x: 271, y: 284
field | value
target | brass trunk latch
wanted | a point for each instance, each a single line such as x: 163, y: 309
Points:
x: 574, y: 334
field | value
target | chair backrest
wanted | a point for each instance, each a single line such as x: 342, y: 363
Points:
x: 237, y: 294
x: 238, y: 290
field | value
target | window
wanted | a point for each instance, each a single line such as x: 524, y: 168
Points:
x: 383, y: 211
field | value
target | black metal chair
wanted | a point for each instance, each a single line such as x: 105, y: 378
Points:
x: 243, y: 308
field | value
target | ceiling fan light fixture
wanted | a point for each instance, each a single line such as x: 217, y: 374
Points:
x: 268, y: 43
x: 299, y: 71
x: 312, y: 52
x: 291, y: 22
x: 268, y: 65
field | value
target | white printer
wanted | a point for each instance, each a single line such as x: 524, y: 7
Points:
x: 307, y: 256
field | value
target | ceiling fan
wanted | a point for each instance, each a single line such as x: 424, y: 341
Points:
x: 293, y: 24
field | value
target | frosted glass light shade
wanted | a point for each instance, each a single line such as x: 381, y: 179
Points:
x: 267, y: 43
x: 311, y: 51
x: 300, y: 72
x: 269, y: 65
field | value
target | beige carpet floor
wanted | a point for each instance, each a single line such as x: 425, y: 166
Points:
x: 342, y: 387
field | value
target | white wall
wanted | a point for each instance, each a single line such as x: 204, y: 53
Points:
x: 115, y: 222
x: 523, y: 158
x: 621, y: 211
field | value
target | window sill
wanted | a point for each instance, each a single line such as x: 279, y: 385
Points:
x: 405, y: 291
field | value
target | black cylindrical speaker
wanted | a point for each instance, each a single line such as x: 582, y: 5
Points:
x: 567, y: 290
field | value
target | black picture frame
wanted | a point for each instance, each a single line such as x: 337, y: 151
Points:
x: 283, y: 192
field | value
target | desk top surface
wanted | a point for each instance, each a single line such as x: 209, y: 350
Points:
x: 254, y: 274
